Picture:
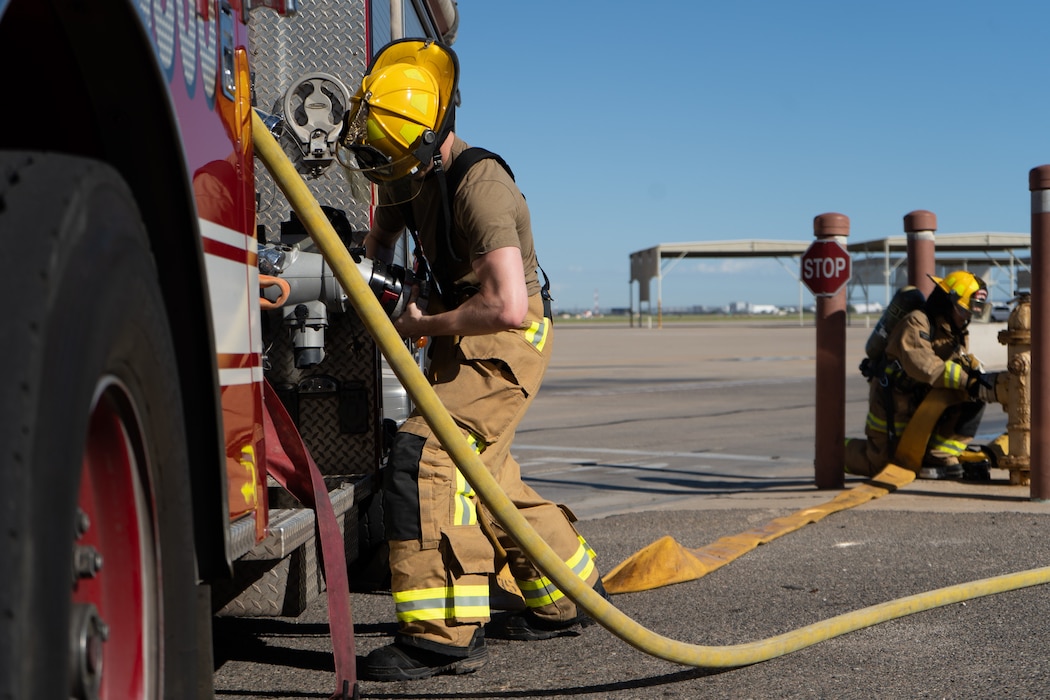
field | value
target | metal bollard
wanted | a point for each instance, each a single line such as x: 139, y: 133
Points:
x: 1039, y: 184
x: 830, y: 430
x: 920, y: 226
x: 1018, y: 405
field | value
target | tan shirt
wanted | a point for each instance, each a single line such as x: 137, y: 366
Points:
x: 488, y: 212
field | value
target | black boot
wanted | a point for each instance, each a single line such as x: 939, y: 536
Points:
x: 409, y: 660
x: 527, y: 626
x: 940, y: 468
x: 977, y: 471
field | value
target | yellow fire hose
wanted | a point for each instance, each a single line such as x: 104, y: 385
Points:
x: 401, y: 361
x: 666, y: 562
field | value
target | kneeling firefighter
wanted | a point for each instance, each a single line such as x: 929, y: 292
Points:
x: 927, y: 348
x: 490, y: 323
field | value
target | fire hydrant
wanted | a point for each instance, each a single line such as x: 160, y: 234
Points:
x: 1017, y: 402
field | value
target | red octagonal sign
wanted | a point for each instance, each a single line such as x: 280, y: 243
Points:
x: 825, y: 267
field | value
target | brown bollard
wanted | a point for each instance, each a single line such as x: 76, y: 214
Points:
x: 920, y: 226
x: 1039, y: 184
x: 830, y: 433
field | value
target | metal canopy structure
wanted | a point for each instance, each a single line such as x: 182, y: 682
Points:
x: 649, y: 263
x: 957, y: 242
x: 955, y: 249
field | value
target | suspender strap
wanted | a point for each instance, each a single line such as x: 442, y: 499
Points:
x: 464, y: 162
x: 545, y: 294
x: 448, y: 182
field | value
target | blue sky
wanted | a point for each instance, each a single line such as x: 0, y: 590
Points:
x: 630, y: 124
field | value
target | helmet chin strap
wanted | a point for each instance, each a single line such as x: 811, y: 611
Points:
x: 960, y: 319
x: 430, y: 142
x: 427, y: 148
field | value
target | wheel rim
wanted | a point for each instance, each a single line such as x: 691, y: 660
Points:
x: 114, y: 626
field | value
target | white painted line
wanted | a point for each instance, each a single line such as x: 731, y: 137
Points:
x: 660, y: 388
x: 647, y: 453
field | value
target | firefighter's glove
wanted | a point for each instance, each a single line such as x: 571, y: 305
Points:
x: 981, y: 385
x: 987, y: 392
x: 970, y: 362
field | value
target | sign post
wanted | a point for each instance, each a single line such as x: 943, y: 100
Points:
x: 1039, y: 186
x: 825, y: 269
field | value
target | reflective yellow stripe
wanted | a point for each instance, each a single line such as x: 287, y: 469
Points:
x: 953, y: 372
x: 587, y: 547
x: 466, y: 506
x: 947, y: 445
x: 875, y: 423
x: 537, y: 333
x: 442, y: 603
x: 542, y: 591
x: 539, y: 592
x: 466, y: 509
x: 582, y: 563
x: 878, y: 425
x: 476, y: 443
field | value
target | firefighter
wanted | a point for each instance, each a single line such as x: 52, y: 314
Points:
x: 928, y: 348
x: 489, y: 321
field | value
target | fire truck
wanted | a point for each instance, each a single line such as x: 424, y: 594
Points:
x: 144, y: 346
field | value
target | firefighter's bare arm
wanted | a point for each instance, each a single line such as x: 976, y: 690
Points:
x: 500, y: 304
x: 379, y: 243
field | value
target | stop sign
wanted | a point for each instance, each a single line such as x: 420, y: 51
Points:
x: 825, y: 267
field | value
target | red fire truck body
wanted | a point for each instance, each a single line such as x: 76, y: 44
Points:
x: 137, y: 501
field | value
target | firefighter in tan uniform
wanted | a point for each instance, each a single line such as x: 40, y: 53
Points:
x: 491, y: 337
x: 927, y: 349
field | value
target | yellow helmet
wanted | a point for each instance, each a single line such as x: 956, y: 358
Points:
x: 403, y: 110
x: 965, y: 289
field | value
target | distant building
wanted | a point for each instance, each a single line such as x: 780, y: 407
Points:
x: 747, y: 308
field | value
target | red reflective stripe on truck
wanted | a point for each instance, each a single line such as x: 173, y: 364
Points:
x: 230, y: 252
x: 238, y: 360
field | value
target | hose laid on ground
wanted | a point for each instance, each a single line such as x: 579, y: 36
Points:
x: 666, y: 562
x: 538, y: 551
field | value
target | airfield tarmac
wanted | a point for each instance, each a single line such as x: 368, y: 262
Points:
x: 701, y: 431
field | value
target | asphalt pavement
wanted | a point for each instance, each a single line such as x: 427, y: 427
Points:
x: 704, y: 431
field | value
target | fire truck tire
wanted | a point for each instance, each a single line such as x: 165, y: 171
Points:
x: 94, y: 460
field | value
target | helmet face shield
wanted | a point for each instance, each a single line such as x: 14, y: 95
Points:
x: 368, y: 157
x: 978, y: 300
x: 356, y: 153
x: 379, y: 167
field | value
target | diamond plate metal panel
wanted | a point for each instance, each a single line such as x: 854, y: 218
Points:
x: 290, y: 528
x: 305, y: 580
x: 267, y: 588
x: 242, y: 535
x: 262, y: 596
x: 325, y: 36
x: 288, y: 581
x: 352, y: 360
